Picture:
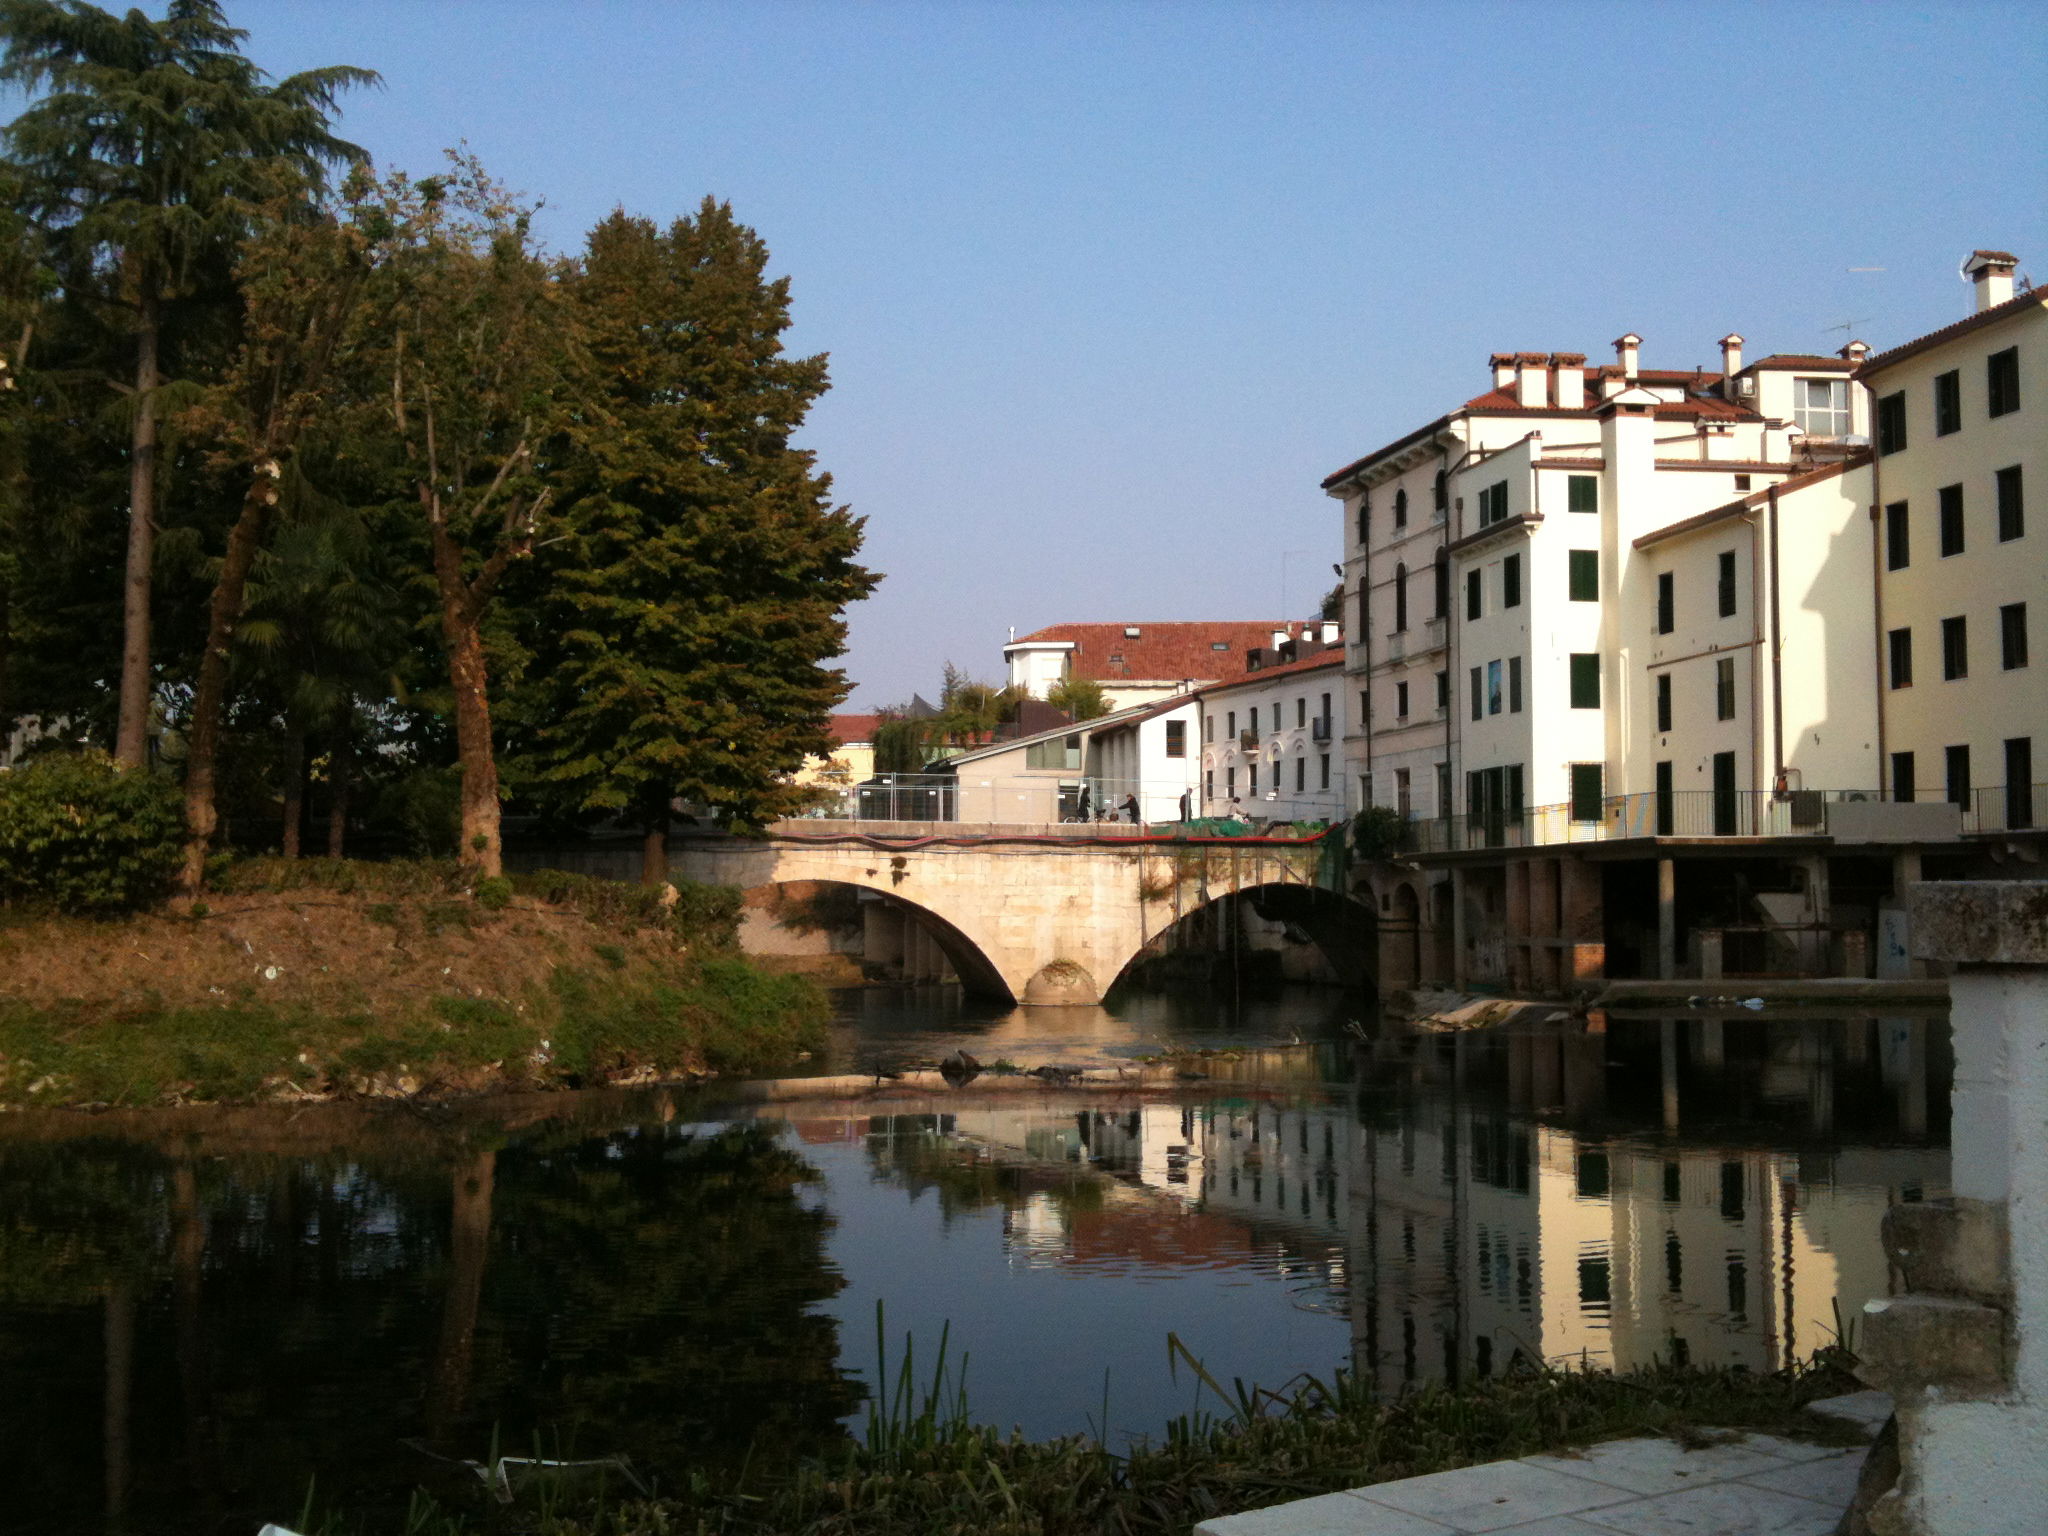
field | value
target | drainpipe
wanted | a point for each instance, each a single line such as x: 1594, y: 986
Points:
x: 1777, y: 645
x: 1884, y: 761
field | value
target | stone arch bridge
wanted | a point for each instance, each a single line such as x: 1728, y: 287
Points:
x: 1033, y: 917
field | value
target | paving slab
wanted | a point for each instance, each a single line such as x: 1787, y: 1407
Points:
x: 1331, y: 1514
x: 1869, y: 1409
x: 1662, y: 1466
x: 1493, y: 1496
x: 1721, y: 1509
x: 1831, y: 1480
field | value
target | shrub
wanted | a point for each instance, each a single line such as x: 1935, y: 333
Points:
x: 1377, y: 832
x: 78, y: 833
x: 494, y: 893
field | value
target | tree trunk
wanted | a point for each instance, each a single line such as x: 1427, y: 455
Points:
x: 469, y: 1243
x: 294, y: 792
x: 131, y: 737
x: 188, y: 1274
x: 462, y: 635
x: 210, y: 690
x: 337, y: 808
x: 654, y: 851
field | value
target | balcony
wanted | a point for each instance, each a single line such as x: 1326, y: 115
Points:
x: 1397, y: 645
x: 1435, y: 633
x: 1248, y: 741
x: 1319, y: 728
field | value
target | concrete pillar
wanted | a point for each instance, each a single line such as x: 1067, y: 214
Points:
x: 1965, y: 1352
x: 1667, y: 918
x: 1819, y: 911
x: 1709, y: 940
x: 1667, y: 1065
x: 1517, y: 882
x: 881, y: 934
x: 1583, y: 925
x: 1458, y: 928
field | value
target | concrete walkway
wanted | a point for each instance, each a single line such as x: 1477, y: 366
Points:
x: 1751, y: 1485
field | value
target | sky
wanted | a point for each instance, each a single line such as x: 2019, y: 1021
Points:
x: 1109, y: 288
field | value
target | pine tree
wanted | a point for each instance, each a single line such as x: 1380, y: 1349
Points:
x: 688, y: 621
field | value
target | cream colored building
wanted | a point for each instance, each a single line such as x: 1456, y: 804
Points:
x: 1962, y: 583
x: 1272, y: 739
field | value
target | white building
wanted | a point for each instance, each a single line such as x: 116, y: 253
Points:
x: 1962, y: 578
x: 1271, y: 738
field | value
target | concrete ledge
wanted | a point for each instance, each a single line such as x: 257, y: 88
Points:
x: 1953, y: 1248
x: 1917, y: 995
x: 1912, y: 1343
x: 1980, y: 922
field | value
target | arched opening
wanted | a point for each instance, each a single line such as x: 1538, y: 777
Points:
x: 1443, y: 582
x: 798, y: 922
x: 1280, y: 921
x: 1400, y: 597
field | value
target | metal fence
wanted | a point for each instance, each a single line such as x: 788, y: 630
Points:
x: 1702, y: 813
x: 1063, y: 799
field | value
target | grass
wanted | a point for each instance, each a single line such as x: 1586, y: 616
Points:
x: 924, y: 1468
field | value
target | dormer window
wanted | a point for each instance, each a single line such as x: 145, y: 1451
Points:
x: 1219, y: 645
x: 1821, y: 406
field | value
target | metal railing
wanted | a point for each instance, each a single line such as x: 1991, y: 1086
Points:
x: 1995, y: 807
x: 1682, y: 813
x: 1319, y: 728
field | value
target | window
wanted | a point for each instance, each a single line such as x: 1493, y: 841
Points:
x: 1252, y: 719
x: 2019, y: 781
x: 1902, y: 777
x: 1209, y: 784
x: 1326, y: 770
x: 1955, y: 649
x: 1951, y: 519
x: 1891, y: 424
x: 1821, y: 406
x: 1300, y: 774
x: 1471, y: 595
x: 1443, y: 690
x: 1493, y: 687
x: 1724, y: 688
x: 1957, y: 761
x: 1724, y: 587
x: 1511, y: 582
x: 1208, y: 727
x: 1176, y: 738
x: 1493, y: 504
x: 2002, y: 381
x: 1440, y: 493
x: 1364, y: 516
x: 1666, y: 801
x: 1586, y: 791
x: 1442, y: 572
x: 1583, y: 575
x: 1582, y: 493
x: 1585, y: 680
x: 1514, y: 685
x: 1326, y: 715
x: 1400, y: 701
x: 1252, y: 777
x: 1061, y: 752
x: 1365, y: 789
x: 1230, y: 725
x: 1230, y: 781
x: 1301, y: 710
x: 1742, y: 482
x: 1898, y: 552
x: 1663, y: 701
x: 1402, y: 803
x: 1478, y: 699
x: 2012, y: 511
x: 1948, y: 403
x: 1901, y: 644
x: 1667, y: 603
x: 2012, y: 635
x: 1401, y: 507
x: 1400, y: 597
x: 1364, y: 706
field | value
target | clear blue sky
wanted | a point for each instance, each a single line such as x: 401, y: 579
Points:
x: 1108, y: 288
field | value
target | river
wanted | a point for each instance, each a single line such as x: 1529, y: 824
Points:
x: 204, y: 1312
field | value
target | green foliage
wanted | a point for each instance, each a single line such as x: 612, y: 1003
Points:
x: 494, y: 893
x: 1081, y: 697
x: 1378, y: 832
x: 79, y: 834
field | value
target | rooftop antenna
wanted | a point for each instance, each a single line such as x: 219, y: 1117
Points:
x: 1848, y: 325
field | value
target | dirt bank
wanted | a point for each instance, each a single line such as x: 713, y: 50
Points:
x: 334, y: 979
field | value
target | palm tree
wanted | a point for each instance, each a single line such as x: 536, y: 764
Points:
x: 148, y: 144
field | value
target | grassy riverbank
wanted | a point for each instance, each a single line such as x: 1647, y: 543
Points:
x: 927, y: 1470
x: 319, y: 978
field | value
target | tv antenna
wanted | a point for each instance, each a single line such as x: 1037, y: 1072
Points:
x: 1847, y: 325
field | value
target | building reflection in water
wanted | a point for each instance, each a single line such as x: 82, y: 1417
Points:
x: 1599, y: 1191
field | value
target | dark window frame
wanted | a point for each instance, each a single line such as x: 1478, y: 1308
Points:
x: 1950, y: 501
x: 1582, y: 575
x: 1891, y: 423
x: 1667, y: 602
x: 1663, y: 703
x: 1955, y: 648
x: 1582, y: 493
x: 1585, y: 679
x: 1948, y: 402
x: 1724, y: 688
x: 1724, y: 583
x: 2012, y: 636
x: 1511, y: 581
x: 1899, y: 657
x: 1898, y: 535
x: 1588, y: 783
x: 2012, y: 504
x: 2002, y: 383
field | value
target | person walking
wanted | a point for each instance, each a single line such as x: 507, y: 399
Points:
x: 1131, y: 808
x: 1186, y: 804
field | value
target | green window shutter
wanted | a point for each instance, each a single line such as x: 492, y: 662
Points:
x: 1583, y: 493
x: 1586, y: 791
x: 1585, y: 680
x: 1585, y: 575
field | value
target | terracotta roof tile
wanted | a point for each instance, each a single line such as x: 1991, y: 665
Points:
x: 1168, y: 652
x: 2017, y: 304
x: 1333, y: 657
x: 852, y: 730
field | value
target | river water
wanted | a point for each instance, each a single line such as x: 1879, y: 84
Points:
x: 204, y: 1312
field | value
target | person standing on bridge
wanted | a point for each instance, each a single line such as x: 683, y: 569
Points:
x: 1081, y: 810
x: 1186, y: 804
x: 1131, y: 808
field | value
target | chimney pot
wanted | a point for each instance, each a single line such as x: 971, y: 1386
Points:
x: 1503, y: 366
x: 1532, y: 381
x: 1991, y: 272
x: 1279, y: 638
x: 1731, y: 363
x: 1855, y: 352
x: 1330, y: 631
x: 1569, y: 392
x: 1627, y: 349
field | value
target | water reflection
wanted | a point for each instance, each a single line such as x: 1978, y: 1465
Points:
x: 200, y: 1313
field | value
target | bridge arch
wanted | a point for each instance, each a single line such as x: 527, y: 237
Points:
x: 1342, y: 927
x: 977, y: 972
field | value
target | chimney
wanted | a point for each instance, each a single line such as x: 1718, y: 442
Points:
x: 1331, y: 631
x: 1571, y: 380
x: 1855, y: 352
x: 1532, y: 382
x: 1991, y: 271
x: 1503, y: 366
x: 1627, y: 349
x: 1280, y: 638
x: 1731, y: 363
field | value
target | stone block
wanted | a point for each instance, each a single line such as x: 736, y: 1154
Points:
x: 1913, y: 1342
x: 1980, y: 922
x: 1951, y: 1248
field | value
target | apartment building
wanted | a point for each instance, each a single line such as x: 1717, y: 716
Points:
x: 1271, y: 737
x: 1962, y: 582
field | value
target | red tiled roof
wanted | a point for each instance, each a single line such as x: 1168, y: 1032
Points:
x: 1803, y: 361
x: 852, y: 730
x: 1167, y: 652
x: 2017, y: 304
x: 1333, y: 657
